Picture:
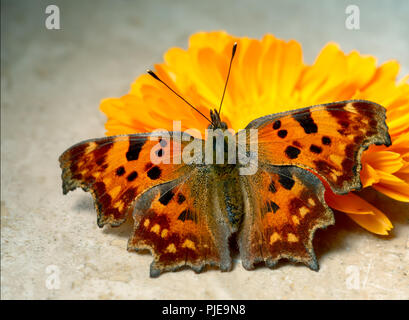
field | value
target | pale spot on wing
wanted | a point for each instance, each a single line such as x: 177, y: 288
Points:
x: 115, y: 191
x: 311, y: 201
x: 337, y: 159
x: 155, y: 229
x: 164, y: 233
x: 170, y: 248
x: 274, y: 237
x: 291, y: 237
x: 189, y: 244
x: 107, y: 181
x: 341, y: 147
x: 303, y: 211
x: 351, y: 136
x: 350, y: 107
x: 91, y: 147
x: 119, y: 205
x: 146, y: 223
x: 295, y: 219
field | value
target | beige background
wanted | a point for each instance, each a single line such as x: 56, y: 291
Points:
x: 51, y: 85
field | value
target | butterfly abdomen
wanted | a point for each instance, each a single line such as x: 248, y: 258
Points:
x: 230, y: 195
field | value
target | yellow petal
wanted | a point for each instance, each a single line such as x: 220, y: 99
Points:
x: 400, y: 192
x: 369, y: 175
x: 386, y: 161
x: 361, y: 211
x: 377, y: 223
x: 349, y: 203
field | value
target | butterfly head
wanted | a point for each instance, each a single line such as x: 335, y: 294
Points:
x: 217, y: 123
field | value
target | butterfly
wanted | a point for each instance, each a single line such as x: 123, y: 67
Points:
x: 186, y: 214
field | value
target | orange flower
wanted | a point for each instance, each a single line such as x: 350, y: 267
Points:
x: 269, y: 76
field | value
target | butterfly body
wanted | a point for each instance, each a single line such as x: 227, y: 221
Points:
x: 186, y: 213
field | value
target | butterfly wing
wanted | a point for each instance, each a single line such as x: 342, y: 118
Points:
x: 327, y: 139
x: 182, y: 224
x: 281, y: 217
x: 177, y: 213
x: 116, y: 170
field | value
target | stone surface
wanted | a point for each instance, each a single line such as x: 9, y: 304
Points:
x: 51, y: 86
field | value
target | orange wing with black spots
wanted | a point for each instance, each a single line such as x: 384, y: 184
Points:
x: 327, y: 139
x: 118, y: 169
x: 281, y: 217
x: 182, y: 225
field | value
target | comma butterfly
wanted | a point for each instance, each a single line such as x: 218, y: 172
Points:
x: 185, y: 213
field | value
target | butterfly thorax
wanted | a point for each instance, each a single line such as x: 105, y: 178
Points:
x: 226, y: 174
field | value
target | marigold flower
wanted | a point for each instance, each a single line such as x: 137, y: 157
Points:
x: 269, y: 76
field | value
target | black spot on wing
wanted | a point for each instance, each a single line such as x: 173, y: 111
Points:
x: 181, y: 198
x: 292, y: 152
x: 166, y: 197
x: 272, y: 187
x: 286, y: 180
x: 282, y: 133
x: 120, y: 171
x: 315, y: 149
x: 154, y: 173
x: 187, y: 215
x: 132, y: 176
x: 135, y: 147
x: 276, y: 124
x: 272, y: 207
x: 326, y: 140
x: 306, y: 122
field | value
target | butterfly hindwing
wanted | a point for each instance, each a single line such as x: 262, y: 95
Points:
x: 281, y: 217
x: 182, y: 224
x: 327, y: 139
x: 118, y: 169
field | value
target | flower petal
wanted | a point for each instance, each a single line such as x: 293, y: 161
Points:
x: 377, y: 223
x: 369, y: 175
x: 349, y: 203
x: 397, y: 192
x: 361, y: 211
x: 386, y: 161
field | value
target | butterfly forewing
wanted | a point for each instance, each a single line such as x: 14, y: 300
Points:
x: 118, y: 169
x: 327, y: 139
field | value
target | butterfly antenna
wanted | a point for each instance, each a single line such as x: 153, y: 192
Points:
x: 150, y: 72
x: 228, y: 73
